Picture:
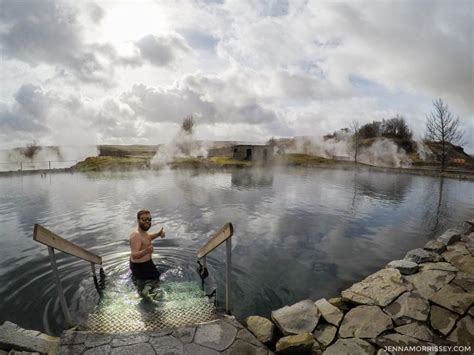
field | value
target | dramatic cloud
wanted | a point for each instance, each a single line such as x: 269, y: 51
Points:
x: 247, y: 70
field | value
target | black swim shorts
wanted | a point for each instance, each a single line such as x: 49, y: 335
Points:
x: 145, y: 271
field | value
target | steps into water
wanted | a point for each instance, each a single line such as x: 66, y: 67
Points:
x: 168, y: 305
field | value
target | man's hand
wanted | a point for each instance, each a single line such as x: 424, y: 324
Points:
x: 149, y: 249
x: 161, y: 233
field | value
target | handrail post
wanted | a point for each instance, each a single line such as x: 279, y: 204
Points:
x: 228, y: 245
x: 62, y: 299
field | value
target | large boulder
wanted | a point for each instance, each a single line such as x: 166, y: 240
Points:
x: 364, y: 322
x: 352, y: 346
x: 218, y: 335
x: 421, y: 256
x: 453, y: 298
x: 442, y: 266
x: 435, y: 246
x: 416, y: 330
x: 404, y: 266
x: 408, y: 307
x: 325, y: 334
x: 396, y: 339
x: 428, y: 282
x: 302, y: 317
x: 449, y: 237
x: 295, y: 344
x: 467, y: 227
x: 442, y: 320
x: 261, y: 327
x: 14, y: 337
x: 378, y: 289
x: 463, y: 262
x: 463, y: 334
x: 331, y: 314
x: 465, y: 281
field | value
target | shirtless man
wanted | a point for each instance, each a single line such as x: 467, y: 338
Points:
x: 141, y: 265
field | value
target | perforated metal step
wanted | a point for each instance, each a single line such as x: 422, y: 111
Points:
x: 171, y: 305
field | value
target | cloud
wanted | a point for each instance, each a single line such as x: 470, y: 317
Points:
x: 161, y: 50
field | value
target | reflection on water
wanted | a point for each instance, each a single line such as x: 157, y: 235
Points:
x: 302, y: 233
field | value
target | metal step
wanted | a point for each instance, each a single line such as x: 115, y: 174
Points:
x: 171, y: 305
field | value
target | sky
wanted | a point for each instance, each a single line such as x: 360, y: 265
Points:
x: 129, y: 72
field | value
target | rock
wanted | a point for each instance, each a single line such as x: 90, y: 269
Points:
x: 242, y: 347
x: 217, y: 335
x: 185, y: 334
x: 453, y: 298
x: 128, y: 339
x: 316, y: 349
x: 167, y: 345
x: 408, y: 306
x: 395, y: 339
x: 100, y: 350
x: 325, y: 334
x: 71, y: 349
x: 245, y: 335
x: 331, y: 314
x: 194, y: 349
x: 467, y: 227
x: 435, y: 246
x: 291, y: 344
x: 302, y: 317
x: 463, y: 333
x: 382, y: 352
x: 14, y: 337
x: 261, y: 327
x: 416, y: 330
x: 442, y: 266
x: 428, y: 282
x: 378, y: 289
x: 364, y: 322
x: 442, y: 320
x: 459, y: 247
x: 70, y: 337
x: 462, y: 262
x: 339, y: 303
x: 404, y: 266
x: 449, y: 237
x: 352, y: 346
x: 421, y: 256
x: 141, y: 349
x: 97, y: 339
x: 465, y: 281
x: 471, y: 311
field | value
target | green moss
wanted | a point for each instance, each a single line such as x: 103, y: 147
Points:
x: 227, y: 161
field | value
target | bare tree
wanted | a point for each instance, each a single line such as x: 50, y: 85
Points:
x: 443, y: 127
x: 355, y: 127
x: 188, y: 124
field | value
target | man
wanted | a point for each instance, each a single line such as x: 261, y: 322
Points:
x: 141, y: 265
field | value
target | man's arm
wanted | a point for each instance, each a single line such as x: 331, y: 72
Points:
x: 161, y: 234
x: 135, y: 244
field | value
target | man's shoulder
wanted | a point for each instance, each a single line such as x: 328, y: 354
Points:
x: 134, y: 234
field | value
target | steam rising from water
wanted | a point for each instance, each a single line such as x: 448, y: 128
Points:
x: 181, y: 146
x: 44, y: 157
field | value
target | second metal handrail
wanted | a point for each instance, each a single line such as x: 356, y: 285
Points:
x: 222, y: 235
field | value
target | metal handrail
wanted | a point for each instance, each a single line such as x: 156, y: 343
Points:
x: 54, y: 241
x: 222, y: 235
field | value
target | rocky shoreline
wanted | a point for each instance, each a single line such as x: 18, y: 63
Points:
x: 423, y: 304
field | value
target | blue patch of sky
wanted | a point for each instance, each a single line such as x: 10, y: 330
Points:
x: 276, y: 8
x: 397, y: 100
x: 200, y: 40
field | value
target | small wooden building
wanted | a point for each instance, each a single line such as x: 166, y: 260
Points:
x: 252, y: 152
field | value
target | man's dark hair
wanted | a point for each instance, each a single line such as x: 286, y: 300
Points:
x: 139, y: 213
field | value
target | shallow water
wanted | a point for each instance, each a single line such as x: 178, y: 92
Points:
x: 300, y: 233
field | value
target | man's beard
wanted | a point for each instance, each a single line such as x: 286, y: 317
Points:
x: 145, y: 227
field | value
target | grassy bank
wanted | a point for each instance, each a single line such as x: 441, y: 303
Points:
x: 127, y: 163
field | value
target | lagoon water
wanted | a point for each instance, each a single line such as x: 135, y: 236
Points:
x: 299, y: 233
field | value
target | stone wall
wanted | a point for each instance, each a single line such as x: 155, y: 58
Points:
x: 425, y: 300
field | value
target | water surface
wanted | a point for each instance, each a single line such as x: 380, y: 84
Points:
x: 300, y: 233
